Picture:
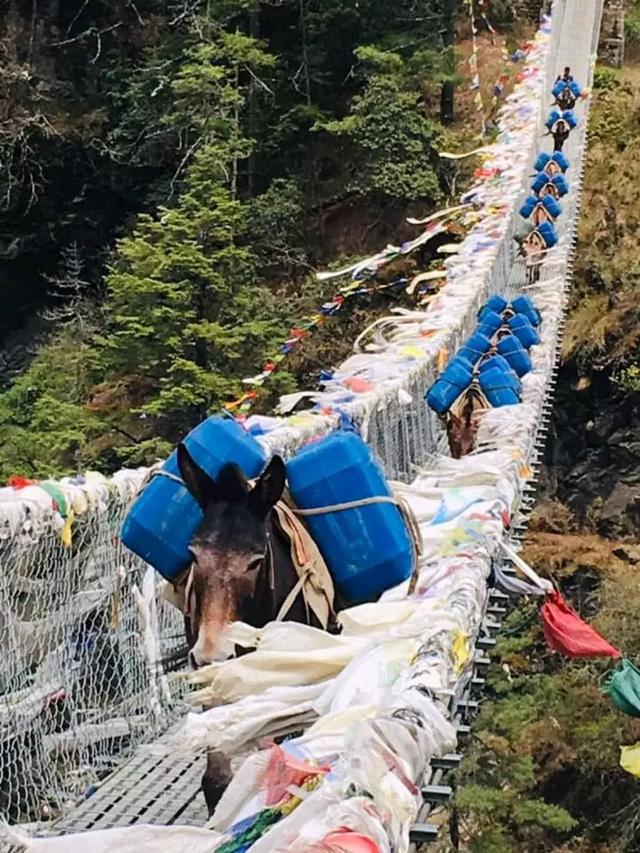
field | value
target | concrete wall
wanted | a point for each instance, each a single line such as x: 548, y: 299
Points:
x: 611, y: 47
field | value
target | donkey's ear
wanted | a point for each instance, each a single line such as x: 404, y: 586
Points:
x: 232, y: 484
x: 269, y: 488
x: 199, y: 484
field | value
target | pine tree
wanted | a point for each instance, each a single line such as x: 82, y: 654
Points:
x: 185, y: 317
x: 68, y: 290
x: 389, y: 141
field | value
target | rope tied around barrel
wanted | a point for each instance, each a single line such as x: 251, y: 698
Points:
x: 405, y: 510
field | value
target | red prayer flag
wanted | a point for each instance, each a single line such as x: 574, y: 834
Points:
x: 358, y: 385
x: 565, y: 631
x: 18, y: 482
x: 283, y: 771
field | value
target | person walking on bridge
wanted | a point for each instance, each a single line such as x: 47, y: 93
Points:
x: 566, y: 76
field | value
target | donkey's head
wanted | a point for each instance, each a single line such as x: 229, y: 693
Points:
x: 230, y: 548
x: 561, y: 127
x: 463, y: 422
x: 533, y: 243
x: 550, y: 189
x: 566, y: 99
x: 541, y: 214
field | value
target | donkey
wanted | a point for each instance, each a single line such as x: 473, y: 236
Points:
x: 566, y: 100
x: 242, y: 569
x: 560, y: 132
x: 541, y: 214
x: 463, y: 420
x: 552, y: 169
x: 532, y: 249
x: 550, y: 189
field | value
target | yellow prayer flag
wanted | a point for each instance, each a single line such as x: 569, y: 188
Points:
x: 630, y: 759
x: 412, y: 351
x: 65, y: 535
x: 460, y: 650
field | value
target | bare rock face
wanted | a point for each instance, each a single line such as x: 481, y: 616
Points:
x: 611, y: 47
x: 628, y: 553
x: 593, y: 454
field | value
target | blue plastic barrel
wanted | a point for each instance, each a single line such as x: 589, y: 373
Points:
x: 486, y: 330
x: 575, y: 89
x: 561, y: 184
x: 459, y: 359
x: 474, y: 347
x: 510, y: 379
x: 524, y: 305
x: 552, y: 206
x: 367, y: 549
x: 540, y: 181
x: 449, y: 385
x: 498, y: 388
x: 548, y: 234
x: 528, y: 206
x: 570, y: 118
x: 459, y: 370
x: 470, y: 356
x: 513, y: 351
x: 558, y: 88
x: 554, y: 116
x: 495, y: 303
x: 490, y: 318
x: 164, y: 518
x: 495, y: 361
x: 541, y: 161
x: 560, y: 160
x: 521, y: 327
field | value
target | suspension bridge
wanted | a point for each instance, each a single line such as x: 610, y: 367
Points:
x: 90, y: 718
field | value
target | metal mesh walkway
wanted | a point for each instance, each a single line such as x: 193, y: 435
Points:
x: 144, y: 790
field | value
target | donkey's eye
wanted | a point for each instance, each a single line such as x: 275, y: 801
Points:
x: 255, y: 563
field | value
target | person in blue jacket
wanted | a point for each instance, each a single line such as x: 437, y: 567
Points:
x: 566, y: 76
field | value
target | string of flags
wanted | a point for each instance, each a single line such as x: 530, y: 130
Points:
x: 362, y: 275
x: 503, y: 78
x: 480, y: 10
x: 473, y: 63
x: 365, y: 271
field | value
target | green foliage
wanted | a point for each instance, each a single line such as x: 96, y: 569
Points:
x: 614, y: 120
x: 195, y: 121
x: 184, y: 315
x: 44, y: 424
x: 391, y: 143
x: 603, y: 323
x: 632, y: 29
x: 504, y: 819
x: 209, y: 91
x: 628, y: 378
x: 544, y: 762
x: 605, y: 78
x: 277, y: 226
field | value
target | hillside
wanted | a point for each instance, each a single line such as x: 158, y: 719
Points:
x: 176, y: 174
x: 543, y: 771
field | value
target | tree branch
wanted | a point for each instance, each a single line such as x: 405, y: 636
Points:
x: 77, y: 15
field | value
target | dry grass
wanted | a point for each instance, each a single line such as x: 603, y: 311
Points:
x: 602, y: 328
x: 563, y: 554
